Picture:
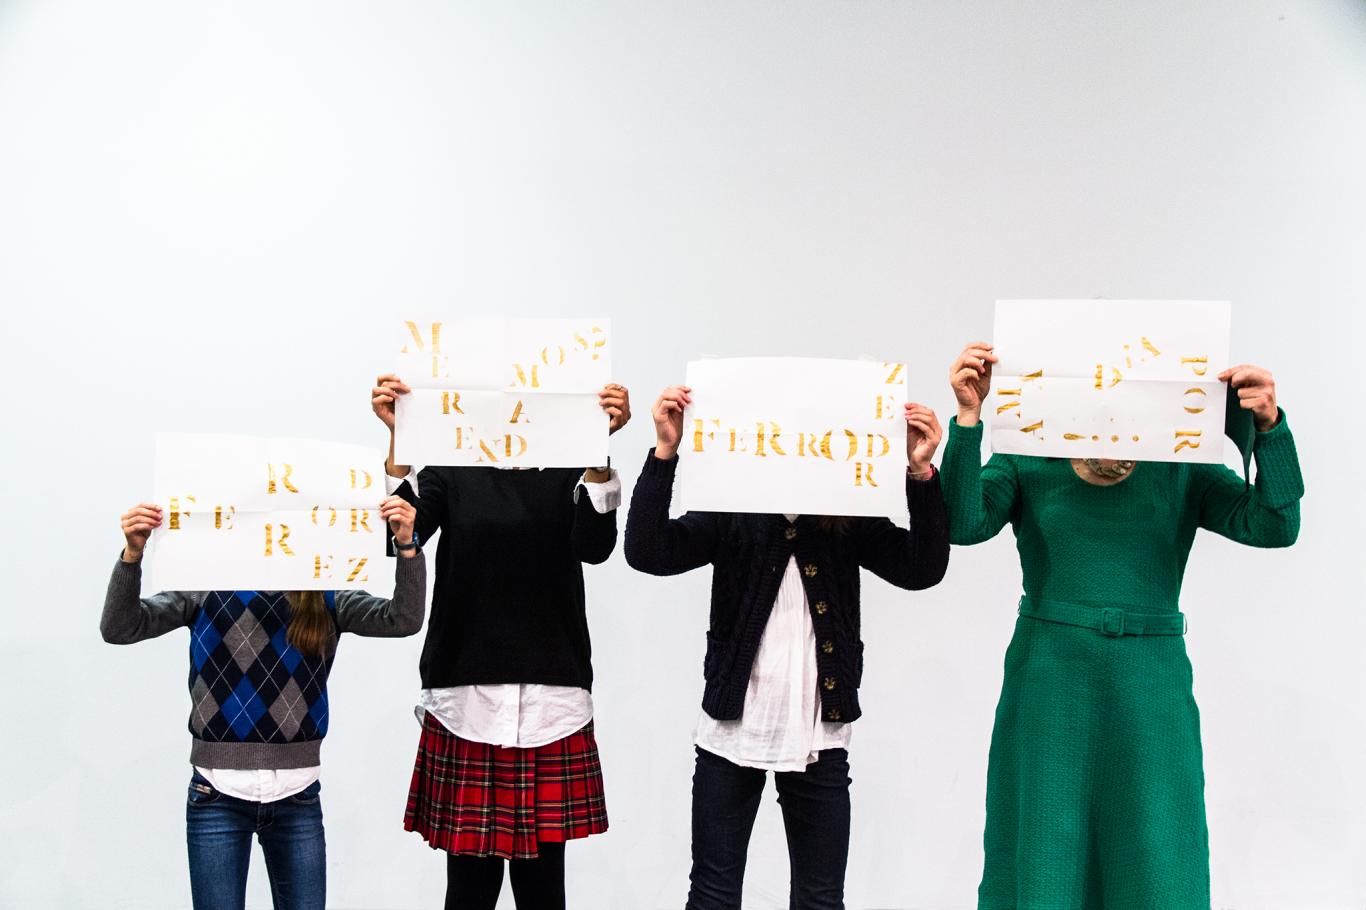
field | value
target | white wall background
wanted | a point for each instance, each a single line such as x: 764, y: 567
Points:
x: 207, y: 211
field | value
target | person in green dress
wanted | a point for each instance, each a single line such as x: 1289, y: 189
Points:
x: 1095, y: 783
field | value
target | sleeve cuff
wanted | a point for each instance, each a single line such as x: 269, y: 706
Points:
x: 391, y: 483
x: 974, y: 431
x: 659, y: 468
x: 1279, y: 431
x: 605, y: 496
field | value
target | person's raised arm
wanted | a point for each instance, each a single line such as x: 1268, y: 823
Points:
x: 1267, y: 513
x: 128, y: 618
x: 597, y: 494
x: 916, y: 558
x: 429, y: 495
x: 656, y: 544
x: 381, y: 617
x: 979, y: 499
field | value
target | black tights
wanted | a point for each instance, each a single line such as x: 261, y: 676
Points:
x: 473, y: 882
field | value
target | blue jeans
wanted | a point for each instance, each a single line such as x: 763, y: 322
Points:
x: 815, y: 804
x: 218, y: 830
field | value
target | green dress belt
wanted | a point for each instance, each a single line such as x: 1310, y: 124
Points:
x: 1112, y: 621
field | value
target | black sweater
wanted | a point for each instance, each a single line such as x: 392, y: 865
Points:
x: 749, y: 554
x: 508, y: 604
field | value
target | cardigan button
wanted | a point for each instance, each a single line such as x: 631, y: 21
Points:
x: 828, y: 647
x: 821, y: 607
x: 790, y: 533
x: 810, y: 570
x: 832, y: 715
x: 829, y: 684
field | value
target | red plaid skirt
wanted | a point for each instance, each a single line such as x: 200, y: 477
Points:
x: 481, y: 800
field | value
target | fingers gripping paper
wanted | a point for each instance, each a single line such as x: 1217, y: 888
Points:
x: 1128, y: 379
x: 243, y: 512
x: 503, y: 392
x: 794, y: 435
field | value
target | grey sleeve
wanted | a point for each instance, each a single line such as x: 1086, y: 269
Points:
x: 379, y: 617
x: 128, y: 618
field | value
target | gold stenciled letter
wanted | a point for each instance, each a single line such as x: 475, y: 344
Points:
x: 438, y: 360
x: 280, y: 541
x: 1184, y: 439
x: 177, y: 512
x: 357, y: 563
x: 284, y: 479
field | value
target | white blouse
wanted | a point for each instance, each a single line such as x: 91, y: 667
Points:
x: 520, y: 715
x: 781, y: 727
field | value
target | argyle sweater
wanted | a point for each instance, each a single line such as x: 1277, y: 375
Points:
x: 257, y: 702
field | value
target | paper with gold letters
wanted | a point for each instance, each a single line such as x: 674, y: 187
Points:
x: 794, y: 435
x: 502, y: 392
x: 255, y: 513
x: 1126, y: 379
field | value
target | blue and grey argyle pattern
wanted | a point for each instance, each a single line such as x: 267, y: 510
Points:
x: 248, y: 684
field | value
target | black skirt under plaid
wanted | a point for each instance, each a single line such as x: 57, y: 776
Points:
x: 480, y: 800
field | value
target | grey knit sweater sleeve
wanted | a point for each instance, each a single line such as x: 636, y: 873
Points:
x: 127, y: 618
x: 365, y: 614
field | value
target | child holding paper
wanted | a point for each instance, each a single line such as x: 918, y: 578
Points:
x: 784, y: 656
x: 1095, y: 787
x: 507, y: 767
x: 259, y: 662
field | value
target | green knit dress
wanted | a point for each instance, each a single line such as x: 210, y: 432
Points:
x: 1095, y: 787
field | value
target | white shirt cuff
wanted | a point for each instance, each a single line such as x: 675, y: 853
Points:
x: 605, y: 496
x: 391, y: 483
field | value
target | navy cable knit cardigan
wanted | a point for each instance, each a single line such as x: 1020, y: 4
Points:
x: 749, y: 554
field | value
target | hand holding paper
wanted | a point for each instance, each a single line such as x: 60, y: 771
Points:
x: 616, y: 403
x: 138, y: 523
x: 401, y: 516
x: 922, y: 438
x: 1256, y: 389
x: 970, y: 378
x: 668, y: 415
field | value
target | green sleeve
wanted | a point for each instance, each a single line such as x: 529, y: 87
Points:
x: 980, y: 499
x: 1265, y: 514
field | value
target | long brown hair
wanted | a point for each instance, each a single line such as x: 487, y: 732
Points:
x: 311, y: 630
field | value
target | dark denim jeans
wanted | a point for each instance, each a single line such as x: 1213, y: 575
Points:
x: 219, y: 829
x: 815, y: 804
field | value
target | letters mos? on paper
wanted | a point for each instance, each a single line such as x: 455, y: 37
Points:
x: 503, y: 392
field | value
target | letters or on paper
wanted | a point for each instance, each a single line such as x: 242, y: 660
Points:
x: 1123, y: 379
x: 795, y: 435
x: 502, y: 392
x: 251, y: 513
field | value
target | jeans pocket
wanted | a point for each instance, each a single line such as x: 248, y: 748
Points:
x: 308, y: 796
x: 201, y: 793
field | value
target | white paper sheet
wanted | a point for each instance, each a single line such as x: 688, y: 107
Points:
x: 794, y: 435
x: 502, y: 392
x: 1128, y: 379
x: 252, y: 513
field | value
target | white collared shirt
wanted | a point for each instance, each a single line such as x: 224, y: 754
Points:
x: 260, y: 785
